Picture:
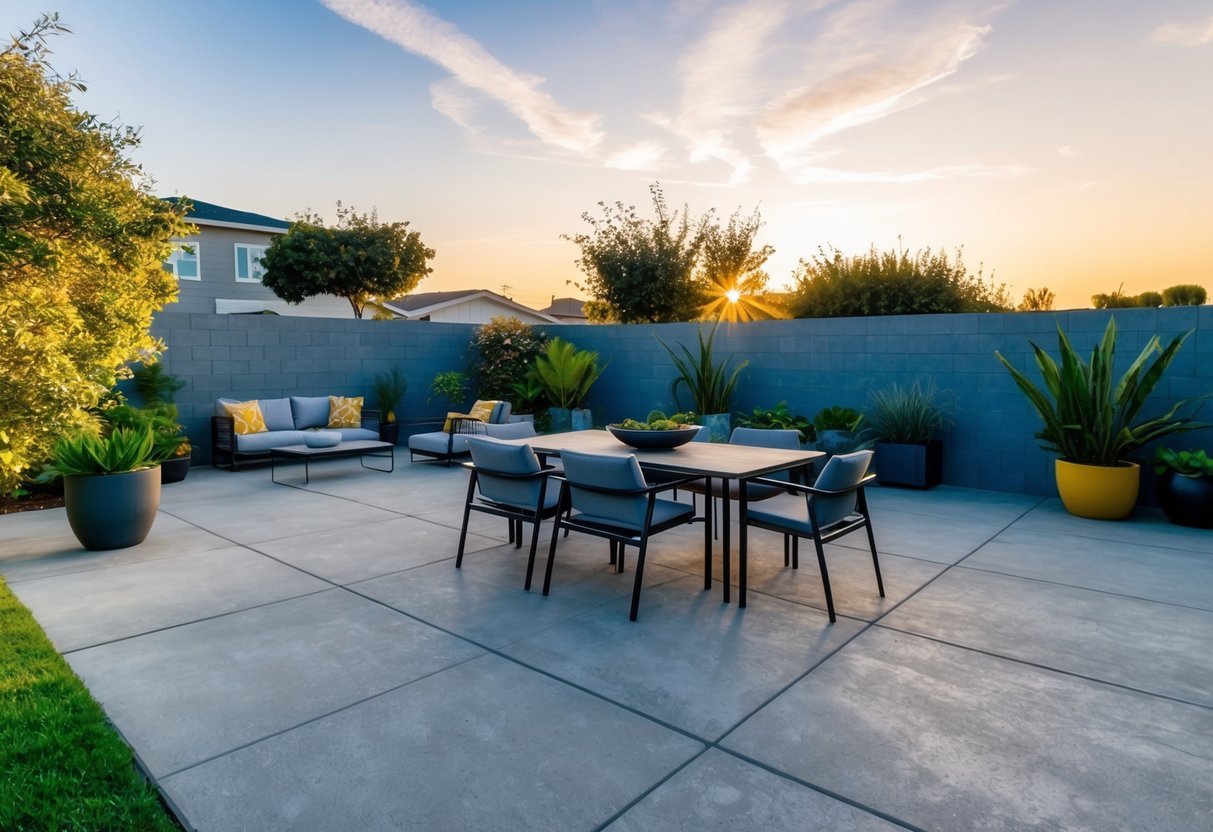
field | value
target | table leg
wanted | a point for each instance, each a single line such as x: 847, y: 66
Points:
x: 707, y: 533
x: 725, y: 548
x: 743, y: 508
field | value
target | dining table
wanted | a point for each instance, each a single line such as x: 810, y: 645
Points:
x: 707, y: 460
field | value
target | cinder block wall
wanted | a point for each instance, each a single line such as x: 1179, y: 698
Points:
x: 811, y: 363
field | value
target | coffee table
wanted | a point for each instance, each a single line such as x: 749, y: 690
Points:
x: 361, y: 448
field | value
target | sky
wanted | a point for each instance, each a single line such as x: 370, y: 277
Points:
x: 1061, y: 144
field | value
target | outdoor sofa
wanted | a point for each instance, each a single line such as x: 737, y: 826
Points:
x: 285, y: 421
x: 452, y: 440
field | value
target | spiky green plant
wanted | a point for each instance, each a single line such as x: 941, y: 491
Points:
x: 1185, y: 463
x: 709, y: 384
x: 908, y: 415
x: 1090, y: 419
x: 838, y: 418
x: 567, y: 373
x: 123, y: 450
x: 388, y: 389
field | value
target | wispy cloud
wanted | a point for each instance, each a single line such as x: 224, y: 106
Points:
x: 639, y: 156
x: 422, y: 33
x: 1197, y: 33
x: 808, y: 174
x: 1067, y: 151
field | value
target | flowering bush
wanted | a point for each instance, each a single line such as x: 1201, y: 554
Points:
x: 505, y: 350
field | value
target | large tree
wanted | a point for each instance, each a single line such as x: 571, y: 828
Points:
x: 359, y: 259
x: 640, y: 270
x: 82, y: 244
x: 732, y: 282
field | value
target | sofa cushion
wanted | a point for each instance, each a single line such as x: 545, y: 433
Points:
x: 435, y: 442
x: 255, y: 442
x: 350, y: 434
x: 345, y: 412
x: 277, y: 413
x: 501, y: 413
x: 483, y: 409
x: 246, y: 417
x: 310, y: 411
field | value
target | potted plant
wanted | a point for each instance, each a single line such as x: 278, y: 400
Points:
x: 567, y: 374
x: 111, y: 485
x: 836, y: 429
x: 709, y: 384
x: 528, y: 394
x: 779, y: 418
x: 903, y: 422
x: 388, y: 389
x: 169, y: 444
x: 1185, y: 486
x: 157, y: 388
x: 1091, y: 421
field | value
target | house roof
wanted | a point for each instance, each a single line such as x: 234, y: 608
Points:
x: 425, y: 303
x: 208, y: 213
x: 566, y: 308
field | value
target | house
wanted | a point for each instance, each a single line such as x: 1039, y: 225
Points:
x: 567, y: 310
x: 219, y: 269
x: 466, y: 306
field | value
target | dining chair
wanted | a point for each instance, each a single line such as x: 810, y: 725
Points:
x: 607, y: 496
x: 835, y: 505
x: 508, y: 481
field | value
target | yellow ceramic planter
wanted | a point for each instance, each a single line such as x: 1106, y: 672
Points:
x: 1099, y: 492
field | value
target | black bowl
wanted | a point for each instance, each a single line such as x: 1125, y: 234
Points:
x: 651, y: 440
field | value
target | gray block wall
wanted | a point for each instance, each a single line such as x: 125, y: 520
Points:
x: 811, y: 364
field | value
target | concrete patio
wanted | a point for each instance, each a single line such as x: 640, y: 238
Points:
x: 289, y: 658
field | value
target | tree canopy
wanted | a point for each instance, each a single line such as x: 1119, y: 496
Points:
x: 358, y: 259
x: 82, y: 246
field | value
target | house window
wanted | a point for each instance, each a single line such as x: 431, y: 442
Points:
x: 183, y: 262
x: 248, y: 264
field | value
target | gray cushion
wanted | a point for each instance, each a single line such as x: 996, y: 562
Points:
x: 842, y: 471
x: 663, y: 512
x: 512, y: 430
x: 602, y: 471
x: 501, y: 413
x: 766, y: 438
x: 492, y: 457
x: 350, y: 434
x: 277, y: 414
x: 220, y: 410
x: 254, y: 442
x: 435, y: 442
x: 310, y: 411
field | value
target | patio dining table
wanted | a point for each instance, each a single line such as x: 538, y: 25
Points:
x: 694, y: 459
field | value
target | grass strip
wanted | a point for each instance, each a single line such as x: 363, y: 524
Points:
x: 62, y: 766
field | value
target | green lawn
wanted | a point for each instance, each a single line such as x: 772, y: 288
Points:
x: 62, y: 766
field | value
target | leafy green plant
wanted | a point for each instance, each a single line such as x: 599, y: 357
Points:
x: 451, y: 385
x: 709, y: 384
x: 1088, y: 418
x: 506, y: 349
x: 907, y: 415
x: 527, y: 392
x: 1185, y: 294
x: 659, y: 421
x: 84, y: 454
x: 160, y: 418
x: 1185, y: 463
x: 779, y: 418
x: 389, y: 388
x: 838, y: 418
x: 567, y: 373
x: 155, y: 385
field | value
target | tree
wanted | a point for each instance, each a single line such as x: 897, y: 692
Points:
x: 1119, y: 300
x: 731, y: 279
x: 82, y: 247
x: 1037, y: 300
x: 640, y: 270
x: 1185, y: 294
x: 506, y: 349
x: 359, y: 259
x: 891, y: 283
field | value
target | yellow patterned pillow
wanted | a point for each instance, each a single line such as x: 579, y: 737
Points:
x: 345, y: 413
x: 247, y: 416
x: 451, y: 414
x: 482, y: 410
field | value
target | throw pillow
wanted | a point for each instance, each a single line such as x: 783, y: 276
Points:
x: 451, y: 414
x: 482, y: 410
x: 345, y: 412
x: 247, y: 416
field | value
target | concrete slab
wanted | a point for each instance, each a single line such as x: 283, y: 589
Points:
x: 1142, y: 644
x: 951, y: 502
x: 948, y: 739
x: 189, y: 693
x: 925, y: 536
x: 82, y: 609
x: 720, y: 792
x: 40, y: 543
x: 1147, y: 527
x: 689, y: 660
x: 485, y: 601
x: 373, y: 549
x: 1174, y: 576
x: 484, y: 745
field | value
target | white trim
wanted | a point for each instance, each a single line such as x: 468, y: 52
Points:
x: 171, y: 263
x: 483, y: 293
x: 243, y: 225
x: 236, y: 262
x: 230, y: 306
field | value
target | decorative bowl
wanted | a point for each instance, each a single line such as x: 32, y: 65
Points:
x: 649, y: 440
x: 321, y: 438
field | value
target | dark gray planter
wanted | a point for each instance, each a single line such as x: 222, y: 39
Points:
x: 389, y: 432
x: 561, y: 419
x: 719, y: 425
x: 918, y: 466
x: 581, y: 418
x: 174, y: 470
x: 112, y: 511
x: 1187, y: 501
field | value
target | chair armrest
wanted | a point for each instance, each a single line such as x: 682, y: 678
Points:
x: 465, y: 424
x: 798, y: 488
x: 370, y: 419
x: 545, y: 471
x: 630, y: 492
x: 223, y: 432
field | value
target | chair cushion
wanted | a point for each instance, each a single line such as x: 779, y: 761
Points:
x: 246, y: 416
x: 664, y: 511
x: 494, y: 457
x: 603, y: 471
x: 501, y: 413
x: 787, y: 511
x: 255, y: 442
x: 842, y: 471
x: 435, y: 442
x: 310, y: 411
x: 766, y: 438
x: 350, y: 434
x: 277, y: 413
x: 511, y: 430
x: 345, y: 412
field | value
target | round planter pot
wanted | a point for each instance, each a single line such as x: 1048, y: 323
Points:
x: 175, y: 469
x: 112, y: 511
x: 1187, y: 501
x: 1100, y: 492
x: 389, y: 432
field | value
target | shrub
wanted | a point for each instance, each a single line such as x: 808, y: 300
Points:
x: 1185, y: 294
x: 710, y: 384
x: 506, y: 349
x: 779, y: 418
x: 908, y: 415
x: 838, y: 418
x: 1037, y: 300
x: 388, y: 389
x: 567, y: 373
x: 831, y: 285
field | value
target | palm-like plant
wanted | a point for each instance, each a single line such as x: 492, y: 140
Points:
x: 1088, y: 418
x: 389, y: 388
x: 123, y: 450
x: 567, y: 373
x: 710, y: 384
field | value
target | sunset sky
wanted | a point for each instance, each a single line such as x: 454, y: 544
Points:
x: 1063, y: 144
